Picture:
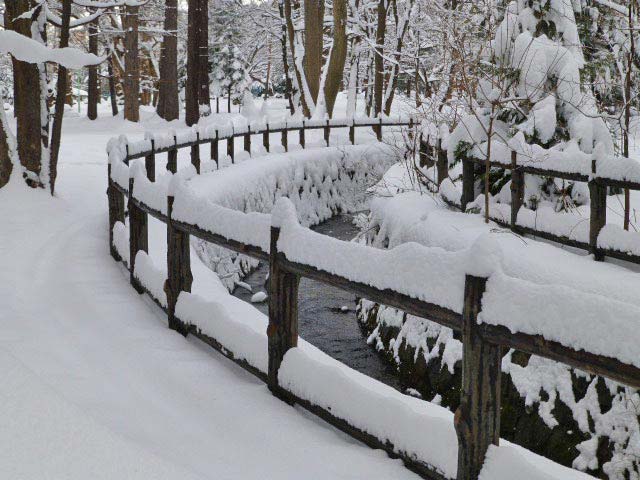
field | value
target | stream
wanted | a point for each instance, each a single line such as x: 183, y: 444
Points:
x: 326, y: 315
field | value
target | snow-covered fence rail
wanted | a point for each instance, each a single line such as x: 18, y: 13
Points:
x: 600, y: 174
x: 464, y: 291
x: 212, y: 135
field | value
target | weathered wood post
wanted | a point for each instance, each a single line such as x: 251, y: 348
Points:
x: 172, y: 157
x: 217, y: 104
x: 284, y: 139
x: 477, y: 420
x: 598, y: 217
x: 442, y: 163
x: 517, y: 190
x: 352, y: 132
x: 247, y: 140
x: 179, y: 278
x: 115, y: 200
x: 378, y: 129
x: 138, y: 236
x: 265, y: 138
x: 231, y: 145
x: 301, y: 132
x: 468, y: 183
x: 195, y: 153
x: 215, y: 155
x: 150, y: 162
x: 283, y: 312
x: 327, y: 132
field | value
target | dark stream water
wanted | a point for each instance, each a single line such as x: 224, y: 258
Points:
x: 326, y: 315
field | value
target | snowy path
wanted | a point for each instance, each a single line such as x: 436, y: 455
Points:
x: 89, y: 366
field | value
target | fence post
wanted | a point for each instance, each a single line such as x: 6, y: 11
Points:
x: 284, y: 139
x: 217, y: 104
x: 598, y: 217
x: 352, y: 132
x: 302, y: 140
x: 138, y: 236
x: 150, y: 162
x: 283, y: 312
x: 442, y: 164
x: 231, y: 145
x: 214, y: 149
x: 179, y: 276
x: 517, y: 189
x: 327, y: 132
x: 468, y: 183
x: 195, y: 153
x: 265, y: 138
x: 477, y: 420
x: 378, y: 129
x: 115, y: 200
x: 172, y: 157
x: 247, y: 140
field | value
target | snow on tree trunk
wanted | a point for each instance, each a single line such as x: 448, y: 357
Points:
x: 338, y: 54
x: 132, y: 65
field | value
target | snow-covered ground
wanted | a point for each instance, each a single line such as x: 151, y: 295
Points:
x: 96, y: 386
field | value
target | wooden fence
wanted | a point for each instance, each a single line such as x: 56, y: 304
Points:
x: 477, y: 420
x: 471, y: 167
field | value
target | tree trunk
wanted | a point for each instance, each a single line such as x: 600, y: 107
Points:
x: 6, y: 147
x: 301, y: 80
x: 168, y: 102
x: 204, y: 94
x: 378, y: 80
x: 132, y: 65
x: 191, y: 90
x: 285, y: 61
x: 93, y: 91
x: 32, y: 125
x: 313, y: 22
x: 112, y: 87
x: 338, y: 54
x: 61, y: 88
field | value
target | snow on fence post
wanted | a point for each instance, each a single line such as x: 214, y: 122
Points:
x: 231, y: 145
x: 468, y: 184
x: 301, y: 131
x: 265, y: 138
x: 284, y: 139
x: 441, y: 162
x: 477, y: 419
x: 195, y: 153
x: 283, y: 312
x: 598, y: 217
x: 517, y: 189
x: 172, y: 156
x: 327, y: 132
x: 179, y: 278
x: 247, y: 140
x: 150, y: 162
x: 352, y: 132
x: 115, y: 199
x: 214, y: 148
x: 138, y: 236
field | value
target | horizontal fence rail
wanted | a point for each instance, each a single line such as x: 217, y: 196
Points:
x: 436, y: 156
x: 477, y: 421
